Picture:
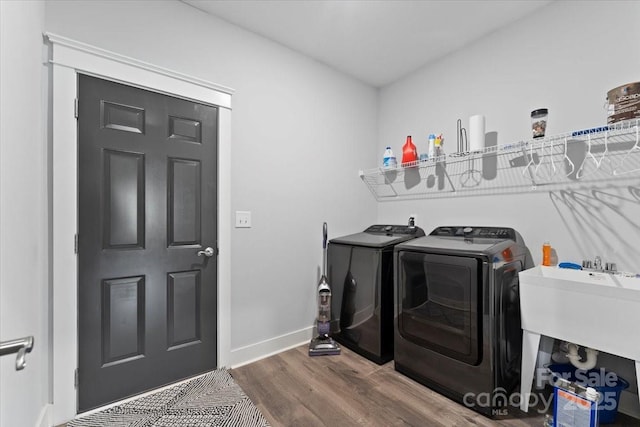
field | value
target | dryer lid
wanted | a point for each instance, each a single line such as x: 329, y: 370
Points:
x: 453, y: 245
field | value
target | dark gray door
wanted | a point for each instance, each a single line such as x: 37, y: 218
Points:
x: 147, y: 206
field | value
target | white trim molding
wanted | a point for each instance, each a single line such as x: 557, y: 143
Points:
x: 263, y: 349
x: 44, y: 420
x: 67, y: 59
x: 76, y: 54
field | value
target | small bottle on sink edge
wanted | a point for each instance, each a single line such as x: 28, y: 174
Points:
x: 546, y: 254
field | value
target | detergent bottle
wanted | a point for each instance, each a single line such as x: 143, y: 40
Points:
x: 432, y: 146
x: 409, y: 153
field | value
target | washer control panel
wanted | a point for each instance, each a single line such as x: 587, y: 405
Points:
x: 468, y: 232
x: 395, y: 229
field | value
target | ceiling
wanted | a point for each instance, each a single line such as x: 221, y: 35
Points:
x: 376, y: 41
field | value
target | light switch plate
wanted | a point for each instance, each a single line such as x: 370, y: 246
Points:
x: 243, y: 219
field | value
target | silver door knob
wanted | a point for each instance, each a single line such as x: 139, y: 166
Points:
x: 208, y: 252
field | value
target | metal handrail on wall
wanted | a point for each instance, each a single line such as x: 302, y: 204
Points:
x: 21, y: 346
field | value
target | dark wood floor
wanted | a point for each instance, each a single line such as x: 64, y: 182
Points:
x: 293, y: 389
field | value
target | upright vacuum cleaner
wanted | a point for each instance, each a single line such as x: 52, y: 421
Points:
x: 323, y: 344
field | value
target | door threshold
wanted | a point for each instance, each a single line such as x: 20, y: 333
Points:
x: 139, y: 396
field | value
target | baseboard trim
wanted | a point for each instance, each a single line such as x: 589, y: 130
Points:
x: 46, y: 416
x: 254, y: 352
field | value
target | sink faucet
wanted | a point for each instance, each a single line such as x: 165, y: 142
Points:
x: 609, y: 267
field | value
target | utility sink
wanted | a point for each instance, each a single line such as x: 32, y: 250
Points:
x: 609, y: 285
x: 591, y: 309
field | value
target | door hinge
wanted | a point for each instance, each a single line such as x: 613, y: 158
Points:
x: 75, y: 243
x: 75, y: 108
x: 75, y: 379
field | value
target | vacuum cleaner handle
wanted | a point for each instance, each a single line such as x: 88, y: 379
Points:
x: 324, y: 236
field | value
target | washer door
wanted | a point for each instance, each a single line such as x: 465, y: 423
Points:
x: 439, y: 303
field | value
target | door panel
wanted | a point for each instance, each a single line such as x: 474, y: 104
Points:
x: 121, y: 117
x: 123, y: 200
x: 184, y: 202
x: 147, y: 204
x: 122, y: 319
x: 183, y: 307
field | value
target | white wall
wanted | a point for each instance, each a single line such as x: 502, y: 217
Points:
x: 565, y: 57
x: 300, y: 130
x: 24, y: 263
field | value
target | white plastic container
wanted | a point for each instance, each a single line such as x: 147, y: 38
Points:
x: 432, y: 147
x: 476, y: 132
x: 389, y: 159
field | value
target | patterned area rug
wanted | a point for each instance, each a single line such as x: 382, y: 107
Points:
x: 211, y: 400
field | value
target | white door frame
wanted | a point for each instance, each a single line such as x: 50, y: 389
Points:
x: 67, y: 59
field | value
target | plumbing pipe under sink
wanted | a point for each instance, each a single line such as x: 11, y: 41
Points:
x: 560, y: 356
x: 576, y: 359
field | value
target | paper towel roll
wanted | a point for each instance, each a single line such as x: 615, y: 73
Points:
x: 476, y: 132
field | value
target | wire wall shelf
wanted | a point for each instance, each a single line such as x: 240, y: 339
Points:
x: 594, y: 155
